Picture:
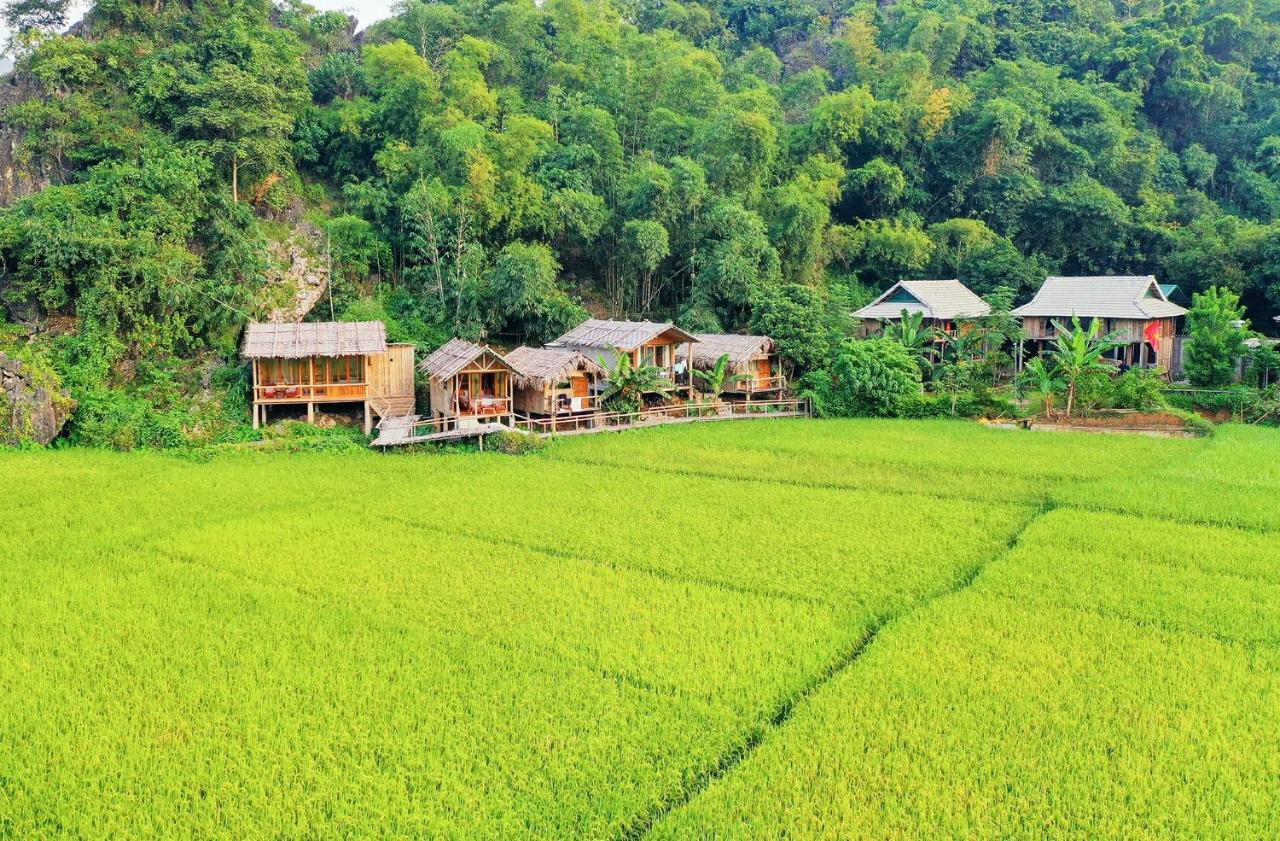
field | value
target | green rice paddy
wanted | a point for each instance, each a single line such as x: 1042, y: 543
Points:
x: 801, y: 629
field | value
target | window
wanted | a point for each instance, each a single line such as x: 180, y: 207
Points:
x: 656, y: 355
x: 341, y: 369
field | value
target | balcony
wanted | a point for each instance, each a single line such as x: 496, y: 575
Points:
x: 766, y: 384
x: 483, y: 407
x: 310, y: 393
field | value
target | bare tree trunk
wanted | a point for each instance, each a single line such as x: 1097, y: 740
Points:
x: 235, y: 179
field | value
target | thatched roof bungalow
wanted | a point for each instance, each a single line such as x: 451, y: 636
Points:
x: 754, y: 357
x: 552, y: 381
x: 469, y: 383
x: 329, y: 362
x: 647, y: 342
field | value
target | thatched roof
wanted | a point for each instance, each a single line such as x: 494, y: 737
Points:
x: 624, y: 335
x: 741, y: 350
x: 537, y: 367
x: 1134, y: 297
x: 326, y: 338
x: 938, y: 299
x: 456, y: 355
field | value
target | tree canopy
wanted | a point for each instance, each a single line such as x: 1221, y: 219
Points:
x: 498, y: 169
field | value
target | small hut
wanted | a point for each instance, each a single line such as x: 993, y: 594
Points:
x: 329, y: 363
x: 646, y: 342
x: 555, y: 381
x: 470, y: 384
x: 755, y: 357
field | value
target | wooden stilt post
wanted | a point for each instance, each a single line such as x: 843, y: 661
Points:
x: 311, y: 412
x: 368, y: 418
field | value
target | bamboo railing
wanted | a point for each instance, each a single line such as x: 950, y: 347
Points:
x: 685, y: 413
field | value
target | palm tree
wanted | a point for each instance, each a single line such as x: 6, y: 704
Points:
x: 1044, y: 380
x: 1078, y: 352
x: 629, y: 383
x: 719, y: 377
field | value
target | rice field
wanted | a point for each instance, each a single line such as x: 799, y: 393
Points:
x: 801, y: 629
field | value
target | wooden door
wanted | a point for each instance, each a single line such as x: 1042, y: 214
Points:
x: 581, y: 388
x: 764, y: 372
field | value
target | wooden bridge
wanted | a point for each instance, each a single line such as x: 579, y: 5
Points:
x: 403, y: 431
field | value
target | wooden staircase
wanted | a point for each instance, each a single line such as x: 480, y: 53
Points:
x: 388, y: 407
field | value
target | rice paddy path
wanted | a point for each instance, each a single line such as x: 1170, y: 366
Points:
x: 732, y: 758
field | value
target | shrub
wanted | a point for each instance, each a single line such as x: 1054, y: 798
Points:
x: 516, y: 443
x: 970, y: 404
x: 873, y: 377
x: 1138, y: 388
x: 298, y: 436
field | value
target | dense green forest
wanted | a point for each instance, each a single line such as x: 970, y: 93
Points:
x: 498, y: 169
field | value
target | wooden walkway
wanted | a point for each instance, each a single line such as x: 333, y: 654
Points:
x: 412, y: 429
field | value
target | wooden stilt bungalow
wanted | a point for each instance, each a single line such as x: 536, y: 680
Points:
x: 555, y: 381
x: 943, y: 303
x: 470, y: 384
x: 1134, y: 309
x: 329, y: 363
x: 753, y: 357
x: 646, y: 342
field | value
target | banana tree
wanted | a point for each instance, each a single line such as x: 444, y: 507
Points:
x: 719, y: 378
x: 1044, y: 380
x: 960, y: 351
x: 629, y: 383
x: 1078, y: 352
x: 910, y: 332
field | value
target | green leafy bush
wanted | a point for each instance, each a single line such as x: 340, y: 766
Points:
x: 872, y: 377
x: 982, y: 403
x: 1141, y: 389
x: 515, y: 443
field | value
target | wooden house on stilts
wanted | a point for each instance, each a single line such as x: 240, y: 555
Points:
x: 552, y: 381
x: 471, y: 385
x: 753, y: 361
x: 646, y: 342
x: 942, y: 304
x: 329, y: 363
x: 1132, y: 310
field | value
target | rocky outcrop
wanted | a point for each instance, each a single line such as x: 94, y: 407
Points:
x: 298, y: 275
x: 29, y: 411
x: 18, y: 178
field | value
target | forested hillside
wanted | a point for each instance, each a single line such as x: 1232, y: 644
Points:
x: 499, y: 169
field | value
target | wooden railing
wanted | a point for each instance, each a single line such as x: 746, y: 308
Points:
x: 485, y: 407
x: 577, y: 404
x: 430, y: 426
x: 766, y: 384
x: 685, y: 413
x: 306, y: 392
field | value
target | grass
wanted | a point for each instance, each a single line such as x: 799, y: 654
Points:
x: 811, y: 629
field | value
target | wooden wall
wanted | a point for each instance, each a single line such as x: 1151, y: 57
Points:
x: 390, y: 374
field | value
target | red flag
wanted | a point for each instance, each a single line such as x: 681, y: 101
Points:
x: 1152, y: 334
